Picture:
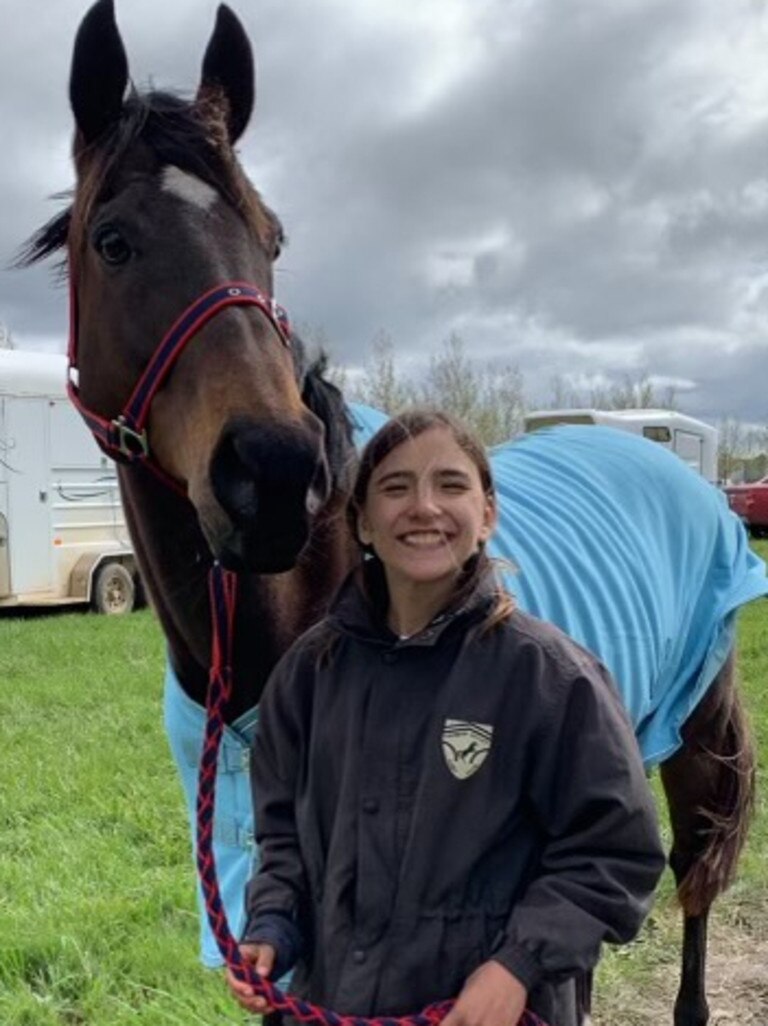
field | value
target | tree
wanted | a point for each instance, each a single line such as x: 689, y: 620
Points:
x: 731, y: 441
x: 563, y: 396
x: 632, y: 393
x: 318, y: 347
x: 489, y: 398
x: 639, y: 394
x: 382, y: 386
x: 742, y: 451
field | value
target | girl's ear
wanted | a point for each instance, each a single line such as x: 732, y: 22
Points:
x: 363, y: 529
x: 490, y: 518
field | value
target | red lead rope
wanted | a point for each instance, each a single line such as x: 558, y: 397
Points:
x: 223, y: 592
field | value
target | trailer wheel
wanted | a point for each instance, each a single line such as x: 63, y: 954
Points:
x: 113, y: 591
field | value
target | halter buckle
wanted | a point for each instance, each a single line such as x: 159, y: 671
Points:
x: 132, y: 444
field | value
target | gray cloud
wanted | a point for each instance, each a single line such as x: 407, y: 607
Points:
x: 580, y: 190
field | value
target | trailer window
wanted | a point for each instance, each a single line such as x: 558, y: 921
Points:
x: 658, y: 434
x: 535, y: 423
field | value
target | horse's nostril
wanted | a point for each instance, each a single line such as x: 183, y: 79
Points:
x: 235, y: 482
x: 243, y: 497
x: 270, y: 480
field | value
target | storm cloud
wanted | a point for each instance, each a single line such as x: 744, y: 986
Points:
x: 580, y: 189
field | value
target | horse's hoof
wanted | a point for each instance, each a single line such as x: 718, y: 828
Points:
x: 691, y: 1016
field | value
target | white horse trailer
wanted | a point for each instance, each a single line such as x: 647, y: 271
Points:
x: 694, y: 441
x: 63, y: 537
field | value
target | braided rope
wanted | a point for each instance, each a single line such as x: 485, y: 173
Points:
x: 223, y: 594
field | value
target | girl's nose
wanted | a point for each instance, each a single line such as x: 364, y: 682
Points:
x: 424, y: 503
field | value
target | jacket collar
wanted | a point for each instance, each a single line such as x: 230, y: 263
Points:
x: 360, y: 608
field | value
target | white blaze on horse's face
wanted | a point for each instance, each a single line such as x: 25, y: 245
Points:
x: 188, y: 188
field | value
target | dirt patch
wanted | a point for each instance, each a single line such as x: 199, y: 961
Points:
x: 738, y: 982
x: 737, y: 986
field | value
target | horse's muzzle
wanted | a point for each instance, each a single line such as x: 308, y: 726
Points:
x: 270, y: 480
x: 245, y: 553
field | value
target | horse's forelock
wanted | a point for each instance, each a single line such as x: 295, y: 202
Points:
x: 191, y: 136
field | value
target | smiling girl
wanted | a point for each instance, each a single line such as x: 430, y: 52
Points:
x: 449, y: 798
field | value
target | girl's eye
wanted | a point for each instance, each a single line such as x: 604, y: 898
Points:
x: 111, y: 246
x: 394, y: 489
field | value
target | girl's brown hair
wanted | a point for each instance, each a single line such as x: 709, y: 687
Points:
x: 409, y: 424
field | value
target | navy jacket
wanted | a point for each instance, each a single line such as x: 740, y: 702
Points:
x: 425, y: 805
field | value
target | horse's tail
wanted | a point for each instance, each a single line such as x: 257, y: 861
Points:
x: 725, y: 812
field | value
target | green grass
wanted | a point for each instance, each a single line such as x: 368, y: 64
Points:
x: 97, y: 915
x: 98, y: 923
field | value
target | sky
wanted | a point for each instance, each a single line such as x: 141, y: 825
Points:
x: 579, y: 189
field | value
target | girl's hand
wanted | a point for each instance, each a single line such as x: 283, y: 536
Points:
x: 261, y: 957
x: 492, y: 996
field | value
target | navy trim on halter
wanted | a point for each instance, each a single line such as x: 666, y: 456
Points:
x: 124, y: 438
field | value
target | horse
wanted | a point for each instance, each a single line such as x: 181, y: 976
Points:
x: 234, y: 448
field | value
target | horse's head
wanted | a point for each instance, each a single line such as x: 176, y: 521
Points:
x: 163, y: 214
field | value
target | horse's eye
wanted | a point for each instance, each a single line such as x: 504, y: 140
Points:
x: 278, y: 241
x: 111, y: 246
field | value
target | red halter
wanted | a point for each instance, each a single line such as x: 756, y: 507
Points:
x: 124, y: 438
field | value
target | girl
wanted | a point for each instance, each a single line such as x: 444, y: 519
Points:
x: 449, y: 798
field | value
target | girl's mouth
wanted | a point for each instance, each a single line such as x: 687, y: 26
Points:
x: 424, y: 539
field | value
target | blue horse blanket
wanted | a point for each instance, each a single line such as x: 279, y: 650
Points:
x: 602, y: 532
x: 635, y: 556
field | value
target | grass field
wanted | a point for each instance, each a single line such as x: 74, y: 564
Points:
x: 97, y: 916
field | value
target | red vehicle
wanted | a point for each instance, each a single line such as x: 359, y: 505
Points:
x: 750, y: 502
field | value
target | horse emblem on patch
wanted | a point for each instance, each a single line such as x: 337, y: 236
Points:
x: 465, y: 746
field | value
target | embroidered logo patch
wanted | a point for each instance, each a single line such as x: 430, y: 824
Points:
x: 465, y: 746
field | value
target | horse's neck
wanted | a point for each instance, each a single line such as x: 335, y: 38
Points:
x: 270, y: 612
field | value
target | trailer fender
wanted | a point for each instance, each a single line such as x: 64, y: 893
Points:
x: 90, y: 567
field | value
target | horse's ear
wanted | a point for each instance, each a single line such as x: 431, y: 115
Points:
x: 228, y: 66
x: 99, y: 72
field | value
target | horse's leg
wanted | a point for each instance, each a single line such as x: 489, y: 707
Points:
x: 584, y: 998
x: 709, y: 784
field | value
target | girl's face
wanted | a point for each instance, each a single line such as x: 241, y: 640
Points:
x: 425, y: 512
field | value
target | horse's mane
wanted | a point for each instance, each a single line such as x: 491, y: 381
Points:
x: 191, y: 136
x: 46, y: 241
x: 325, y: 400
